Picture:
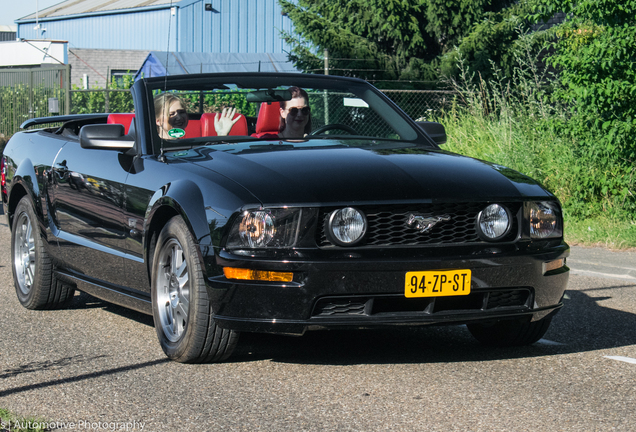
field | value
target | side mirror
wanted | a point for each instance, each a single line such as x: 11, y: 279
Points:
x: 105, y: 137
x: 434, y: 130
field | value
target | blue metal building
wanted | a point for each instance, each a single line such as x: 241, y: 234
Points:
x: 212, y: 26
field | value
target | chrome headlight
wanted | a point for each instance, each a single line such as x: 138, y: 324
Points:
x: 346, y: 226
x: 265, y: 228
x: 545, y: 220
x: 493, y: 222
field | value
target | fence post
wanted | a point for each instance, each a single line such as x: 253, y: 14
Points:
x: 15, y: 113
x: 31, y: 95
x: 324, y: 95
x: 67, y: 89
x: 107, y: 93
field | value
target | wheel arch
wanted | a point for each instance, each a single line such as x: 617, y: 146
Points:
x: 24, y: 182
x: 180, y: 198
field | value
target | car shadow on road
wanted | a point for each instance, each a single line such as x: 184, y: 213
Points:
x: 582, y: 325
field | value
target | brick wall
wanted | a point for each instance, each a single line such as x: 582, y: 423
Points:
x: 98, y: 64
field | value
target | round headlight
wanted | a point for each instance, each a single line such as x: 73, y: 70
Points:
x: 346, y: 226
x: 493, y: 222
x: 257, y: 228
x: 544, y: 220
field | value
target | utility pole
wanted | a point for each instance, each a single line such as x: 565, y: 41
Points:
x: 326, y: 62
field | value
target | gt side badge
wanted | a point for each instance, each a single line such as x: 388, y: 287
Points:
x: 176, y: 133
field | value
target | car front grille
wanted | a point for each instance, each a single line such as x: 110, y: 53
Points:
x: 477, y: 301
x: 387, y: 225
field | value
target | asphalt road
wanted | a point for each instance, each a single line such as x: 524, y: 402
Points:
x: 96, y: 366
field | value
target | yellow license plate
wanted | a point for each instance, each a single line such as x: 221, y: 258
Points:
x: 438, y: 283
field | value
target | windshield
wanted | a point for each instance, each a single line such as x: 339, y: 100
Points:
x: 217, y: 110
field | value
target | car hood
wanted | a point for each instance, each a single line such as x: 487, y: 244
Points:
x: 338, y: 174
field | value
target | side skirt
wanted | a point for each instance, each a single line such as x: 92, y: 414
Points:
x: 119, y: 295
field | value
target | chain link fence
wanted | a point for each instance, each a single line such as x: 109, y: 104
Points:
x: 422, y: 105
x: 30, y: 93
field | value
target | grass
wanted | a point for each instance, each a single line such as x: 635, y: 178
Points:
x: 12, y: 422
x: 523, y: 146
x: 600, y: 231
x: 516, y: 133
x: 515, y: 122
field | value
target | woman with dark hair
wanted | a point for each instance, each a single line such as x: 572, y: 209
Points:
x: 295, y: 115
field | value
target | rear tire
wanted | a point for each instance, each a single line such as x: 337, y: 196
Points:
x: 181, y: 309
x: 510, y: 332
x: 33, y: 276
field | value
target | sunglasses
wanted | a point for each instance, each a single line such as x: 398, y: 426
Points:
x: 304, y: 110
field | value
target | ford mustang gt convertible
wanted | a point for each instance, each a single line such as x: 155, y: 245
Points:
x: 277, y: 203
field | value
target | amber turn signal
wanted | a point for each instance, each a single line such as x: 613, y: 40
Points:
x: 553, y: 265
x: 258, y: 275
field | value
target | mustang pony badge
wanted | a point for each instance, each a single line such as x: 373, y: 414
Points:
x: 424, y: 223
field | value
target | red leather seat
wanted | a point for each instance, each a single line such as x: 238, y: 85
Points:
x: 193, y: 129
x: 124, y: 119
x: 207, y: 125
x: 268, y: 119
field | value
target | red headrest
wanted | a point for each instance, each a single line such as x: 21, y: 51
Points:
x: 268, y: 119
x: 207, y: 125
x: 122, y: 119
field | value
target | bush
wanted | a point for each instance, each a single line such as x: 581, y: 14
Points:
x: 94, y: 101
x: 518, y: 123
x: 595, y: 56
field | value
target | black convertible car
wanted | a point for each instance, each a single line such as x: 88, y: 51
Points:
x: 277, y: 203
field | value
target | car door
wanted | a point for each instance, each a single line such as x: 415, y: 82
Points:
x: 86, y: 198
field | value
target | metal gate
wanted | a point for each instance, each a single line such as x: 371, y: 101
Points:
x: 30, y: 93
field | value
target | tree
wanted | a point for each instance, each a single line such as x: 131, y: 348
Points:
x: 381, y: 39
x: 492, y: 43
x: 595, y: 57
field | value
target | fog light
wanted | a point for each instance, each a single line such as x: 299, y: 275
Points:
x: 346, y: 226
x: 493, y: 222
x: 257, y: 275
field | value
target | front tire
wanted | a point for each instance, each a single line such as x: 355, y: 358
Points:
x: 508, y: 333
x: 33, y: 277
x: 181, y: 309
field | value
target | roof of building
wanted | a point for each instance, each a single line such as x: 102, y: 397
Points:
x: 76, y: 7
x: 178, y: 63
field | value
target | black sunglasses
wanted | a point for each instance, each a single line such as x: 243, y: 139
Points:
x: 304, y: 110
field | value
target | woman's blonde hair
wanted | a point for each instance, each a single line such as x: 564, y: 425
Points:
x: 164, y: 100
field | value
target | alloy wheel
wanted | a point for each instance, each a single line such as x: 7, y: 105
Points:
x: 24, y: 254
x: 173, y: 290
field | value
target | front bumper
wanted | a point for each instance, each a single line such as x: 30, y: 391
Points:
x: 355, y: 291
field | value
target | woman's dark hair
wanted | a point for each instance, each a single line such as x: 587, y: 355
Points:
x: 296, y: 93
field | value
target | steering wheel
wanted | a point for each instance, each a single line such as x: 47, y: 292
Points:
x: 340, y: 126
